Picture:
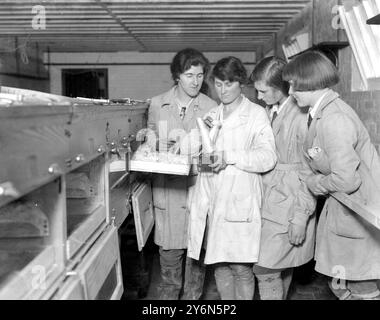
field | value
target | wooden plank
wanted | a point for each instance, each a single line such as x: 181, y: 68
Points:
x: 78, y: 185
x: 368, y: 39
x: 21, y: 287
x: 370, y: 213
x: 72, y: 289
x: 98, y: 263
x: 356, y: 47
x: 143, y: 213
x: 322, y: 22
x: 86, y: 227
x: 119, y: 205
x: 23, y: 219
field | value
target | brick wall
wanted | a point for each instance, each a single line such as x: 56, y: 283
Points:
x: 365, y: 103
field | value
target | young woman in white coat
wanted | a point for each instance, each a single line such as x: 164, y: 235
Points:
x: 343, y: 159
x: 288, y: 219
x: 230, y: 197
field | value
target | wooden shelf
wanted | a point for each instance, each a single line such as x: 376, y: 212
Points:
x: 374, y: 20
x: 324, y: 46
x: 328, y: 48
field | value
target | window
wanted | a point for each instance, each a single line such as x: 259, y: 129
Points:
x: 364, y: 40
x: 85, y: 83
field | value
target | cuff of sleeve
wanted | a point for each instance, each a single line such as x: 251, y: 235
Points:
x: 300, y: 219
x: 322, y: 181
x: 230, y: 157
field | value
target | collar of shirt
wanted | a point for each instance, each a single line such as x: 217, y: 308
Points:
x: 170, y: 99
x: 314, y: 109
x: 277, y: 108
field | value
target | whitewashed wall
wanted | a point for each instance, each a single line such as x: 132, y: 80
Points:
x: 130, y: 74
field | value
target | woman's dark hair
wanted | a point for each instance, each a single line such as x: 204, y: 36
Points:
x: 310, y: 71
x: 231, y: 69
x: 269, y: 70
x: 186, y: 58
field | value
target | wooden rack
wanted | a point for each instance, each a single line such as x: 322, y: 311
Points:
x: 59, y: 236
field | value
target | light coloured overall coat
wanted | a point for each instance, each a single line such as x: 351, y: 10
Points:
x: 231, y: 199
x: 347, y: 246
x: 170, y: 192
x: 286, y: 195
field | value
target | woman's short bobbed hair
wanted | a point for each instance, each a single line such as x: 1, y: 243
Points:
x: 230, y: 69
x: 186, y: 58
x: 269, y: 70
x: 311, y: 71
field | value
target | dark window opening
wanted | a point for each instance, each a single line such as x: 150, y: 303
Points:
x: 85, y: 83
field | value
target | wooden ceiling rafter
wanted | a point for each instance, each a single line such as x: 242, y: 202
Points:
x: 149, y: 25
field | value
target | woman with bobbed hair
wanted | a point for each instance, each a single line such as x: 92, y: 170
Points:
x: 343, y: 159
x: 229, y: 197
x: 288, y: 220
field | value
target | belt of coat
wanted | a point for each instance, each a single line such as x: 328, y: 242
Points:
x: 288, y: 166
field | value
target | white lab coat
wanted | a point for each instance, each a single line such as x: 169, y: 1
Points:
x: 231, y: 199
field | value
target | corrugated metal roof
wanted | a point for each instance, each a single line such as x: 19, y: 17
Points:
x: 143, y: 25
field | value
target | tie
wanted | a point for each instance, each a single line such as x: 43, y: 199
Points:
x: 182, y: 113
x: 309, y: 120
x: 274, y: 116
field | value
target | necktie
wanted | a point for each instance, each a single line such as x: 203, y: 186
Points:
x: 309, y: 120
x: 274, y: 116
x: 182, y: 113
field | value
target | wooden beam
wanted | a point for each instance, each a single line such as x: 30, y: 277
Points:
x: 119, y: 21
x: 371, y: 213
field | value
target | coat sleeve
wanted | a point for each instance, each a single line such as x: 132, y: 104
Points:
x: 305, y: 202
x: 339, y: 138
x: 260, y: 156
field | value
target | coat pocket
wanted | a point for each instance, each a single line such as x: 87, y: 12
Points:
x: 344, y: 222
x: 277, y: 206
x: 241, y: 208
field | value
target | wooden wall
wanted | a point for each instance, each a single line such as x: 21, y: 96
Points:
x: 21, y: 65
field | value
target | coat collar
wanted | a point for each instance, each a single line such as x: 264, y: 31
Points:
x: 169, y: 98
x: 286, y: 109
x: 330, y: 97
x: 242, y: 114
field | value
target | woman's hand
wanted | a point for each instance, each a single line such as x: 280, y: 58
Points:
x: 219, y: 163
x: 296, y: 234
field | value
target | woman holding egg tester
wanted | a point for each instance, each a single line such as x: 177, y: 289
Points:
x: 288, y: 220
x: 229, y: 197
x: 343, y: 159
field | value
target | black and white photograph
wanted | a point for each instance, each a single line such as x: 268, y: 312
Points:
x: 205, y: 152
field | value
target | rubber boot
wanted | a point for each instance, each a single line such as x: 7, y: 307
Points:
x: 225, y: 282
x: 244, y: 281
x: 287, y: 276
x: 195, y: 272
x: 171, y: 282
x: 270, y: 286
